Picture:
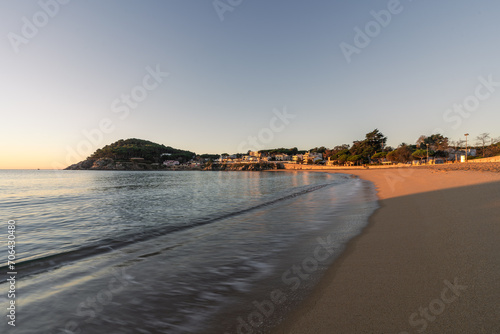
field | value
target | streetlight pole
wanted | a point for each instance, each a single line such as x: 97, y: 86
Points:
x: 466, y: 149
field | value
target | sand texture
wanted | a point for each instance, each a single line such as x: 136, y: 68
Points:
x: 428, y: 262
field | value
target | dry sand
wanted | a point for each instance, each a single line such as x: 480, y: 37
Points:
x: 428, y: 262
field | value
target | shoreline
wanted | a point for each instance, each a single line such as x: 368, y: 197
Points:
x: 426, y: 262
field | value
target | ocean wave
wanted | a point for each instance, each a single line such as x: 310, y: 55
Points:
x: 54, y: 261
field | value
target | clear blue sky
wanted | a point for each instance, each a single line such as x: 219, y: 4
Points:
x: 227, y: 76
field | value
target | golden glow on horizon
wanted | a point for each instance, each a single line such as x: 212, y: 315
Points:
x: 14, y: 159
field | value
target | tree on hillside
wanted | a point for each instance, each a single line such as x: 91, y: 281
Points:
x: 392, y: 156
x: 321, y: 149
x: 402, y: 154
x: 421, y: 141
x: 357, y: 147
x: 124, y: 150
x: 210, y: 156
x: 378, y: 157
x: 493, y: 150
x: 356, y: 159
x: 374, y: 142
x: 335, y: 152
x: 420, y: 154
x: 388, y: 149
x: 281, y: 150
x: 342, y: 158
x: 436, y: 142
x: 341, y: 147
x: 482, y: 138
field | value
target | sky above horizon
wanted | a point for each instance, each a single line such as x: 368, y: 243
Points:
x: 233, y: 75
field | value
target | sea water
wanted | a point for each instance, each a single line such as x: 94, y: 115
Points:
x: 171, y: 251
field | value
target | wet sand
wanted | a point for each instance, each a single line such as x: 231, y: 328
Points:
x: 428, y: 262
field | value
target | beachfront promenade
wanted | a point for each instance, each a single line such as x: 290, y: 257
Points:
x: 487, y: 164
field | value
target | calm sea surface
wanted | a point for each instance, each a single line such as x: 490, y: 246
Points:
x: 171, y: 252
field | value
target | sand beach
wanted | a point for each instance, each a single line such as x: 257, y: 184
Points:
x: 428, y: 262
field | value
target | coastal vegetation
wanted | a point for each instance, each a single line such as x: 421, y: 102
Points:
x: 139, y: 154
x: 133, y: 154
x: 124, y: 150
x: 373, y: 150
x: 282, y: 150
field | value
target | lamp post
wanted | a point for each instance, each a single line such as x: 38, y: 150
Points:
x: 466, y: 149
x: 427, y: 153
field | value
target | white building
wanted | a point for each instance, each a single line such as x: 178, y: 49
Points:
x: 171, y: 163
x: 282, y: 157
x: 314, y: 157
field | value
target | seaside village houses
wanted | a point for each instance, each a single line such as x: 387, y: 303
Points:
x: 309, y: 158
x: 312, y: 158
x: 256, y: 156
x: 169, y: 163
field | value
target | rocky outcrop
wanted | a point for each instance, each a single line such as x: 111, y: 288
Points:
x: 104, y: 163
x: 133, y: 154
x: 110, y: 164
x: 82, y: 165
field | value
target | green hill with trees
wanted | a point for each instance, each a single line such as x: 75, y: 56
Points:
x: 133, y: 153
x: 124, y: 150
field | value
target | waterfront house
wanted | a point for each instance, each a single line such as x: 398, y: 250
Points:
x: 282, y: 157
x: 312, y: 157
x: 170, y: 163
